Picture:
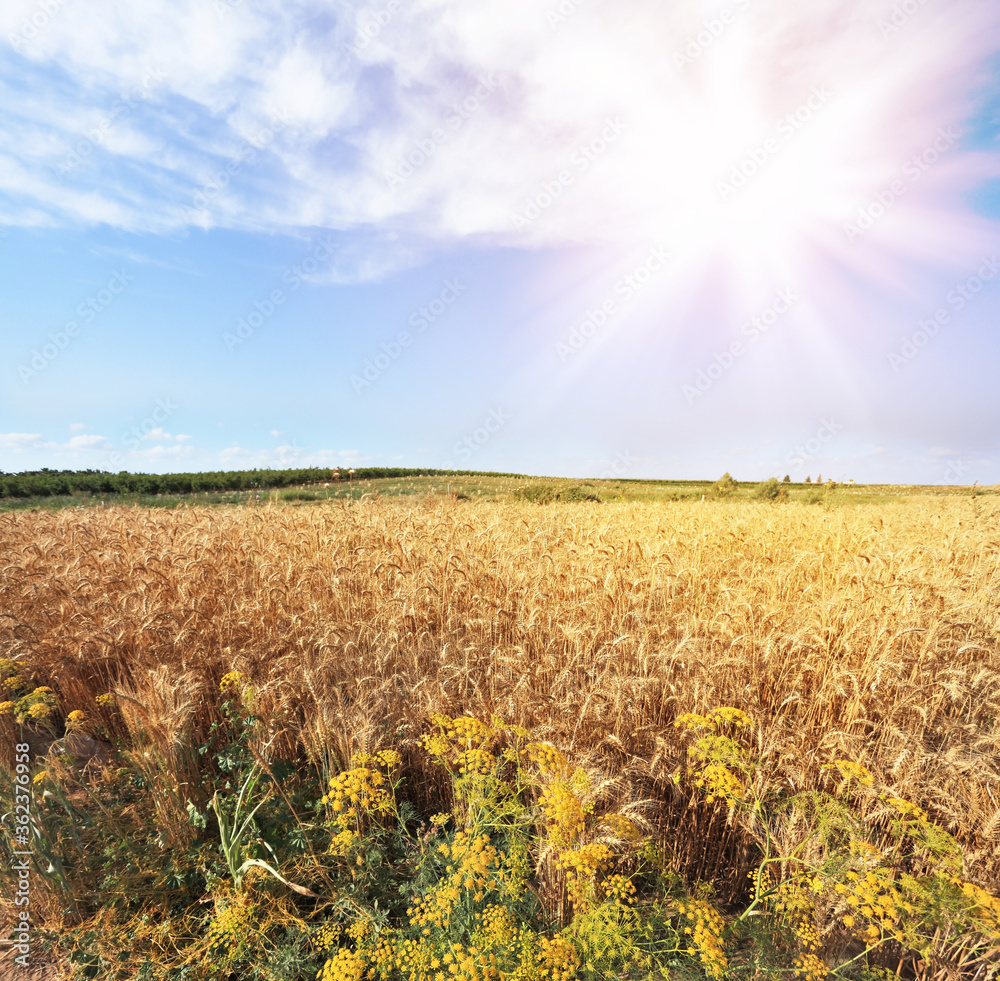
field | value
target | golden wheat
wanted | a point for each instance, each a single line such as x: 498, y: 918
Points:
x: 865, y: 633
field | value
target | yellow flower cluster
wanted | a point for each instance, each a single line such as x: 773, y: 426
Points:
x: 471, y: 857
x: 878, y: 899
x: 458, y: 734
x: 327, y: 936
x: 7, y: 708
x: 587, y: 861
x: 38, y: 704
x: 582, y: 866
x: 731, y: 716
x: 762, y: 881
x: 230, y: 929
x: 106, y: 700
x: 715, y: 720
x: 984, y: 907
x: 621, y: 889
x: 851, y: 771
x: 11, y: 679
x: 809, y: 967
x: 795, y: 902
x: 76, y: 716
x: 705, y: 930
x: 564, y: 814
x: 416, y: 961
x: 548, y: 760
x: 341, y: 842
x: 557, y: 958
x: 361, y: 930
x: 497, y: 928
x: 476, y: 761
x: 621, y: 827
x: 469, y: 869
x: 719, y: 782
x: 469, y: 732
x: 232, y: 679
x: 460, y: 744
x: 908, y: 811
x: 345, y: 965
x: 355, y: 792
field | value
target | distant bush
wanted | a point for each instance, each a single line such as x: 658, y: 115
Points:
x: 298, y: 495
x: 536, y: 493
x: 547, y: 493
x: 769, y: 490
x: 577, y: 494
x: 724, y: 486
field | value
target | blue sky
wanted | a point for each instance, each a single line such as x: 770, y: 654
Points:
x: 570, y: 238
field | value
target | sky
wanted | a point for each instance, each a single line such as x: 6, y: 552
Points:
x: 580, y: 238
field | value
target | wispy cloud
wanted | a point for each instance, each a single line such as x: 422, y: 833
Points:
x: 488, y: 103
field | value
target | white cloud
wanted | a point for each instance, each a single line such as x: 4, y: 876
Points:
x: 88, y: 442
x: 20, y: 441
x: 241, y: 458
x: 355, y: 114
x: 75, y: 427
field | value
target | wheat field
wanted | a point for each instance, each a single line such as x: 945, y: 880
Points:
x: 867, y: 633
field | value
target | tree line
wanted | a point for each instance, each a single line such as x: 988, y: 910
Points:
x: 49, y: 483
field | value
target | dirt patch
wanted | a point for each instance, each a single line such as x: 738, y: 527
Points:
x: 42, y: 966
